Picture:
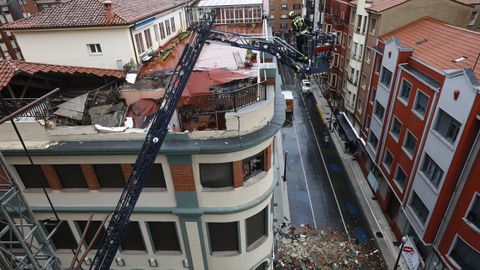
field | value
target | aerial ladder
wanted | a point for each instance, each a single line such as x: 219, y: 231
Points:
x: 318, y: 61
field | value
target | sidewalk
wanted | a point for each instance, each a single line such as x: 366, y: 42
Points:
x: 374, y: 214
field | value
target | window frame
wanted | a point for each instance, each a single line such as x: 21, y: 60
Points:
x: 454, y: 242
x: 140, y: 241
x: 373, y: 29
x: 432, y: 164
x: 469, y: 223
x: 247, y: 163
x: 383, y: 70
x: 253, y: 245
x: 395, y: 178
x: 98, y: 49
x: 224, y: 252
x: 172, y: 25
x: 384, y: 164
x: 452, y: 120
x: 231, y: 185
x: 416, y: 216
x: 415, y: 103
x: 410, y: 155
x: 380, y: 119
x: 374, y: 147
x: 394, y: 136
x: 153, y: 243
x: 403, y: 99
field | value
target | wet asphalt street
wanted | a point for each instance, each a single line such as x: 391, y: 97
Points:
x: 319, y: 190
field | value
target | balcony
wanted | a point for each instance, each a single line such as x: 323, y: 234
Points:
x: 207, y: 111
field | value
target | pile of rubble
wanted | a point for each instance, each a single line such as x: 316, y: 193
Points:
x: 308, y: 248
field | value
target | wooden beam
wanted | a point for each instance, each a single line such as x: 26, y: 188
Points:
x: 31, y: 84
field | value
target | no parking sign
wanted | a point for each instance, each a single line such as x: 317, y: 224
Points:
x: 410, y: 254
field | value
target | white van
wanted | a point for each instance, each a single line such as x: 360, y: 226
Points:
x: 306, y: 88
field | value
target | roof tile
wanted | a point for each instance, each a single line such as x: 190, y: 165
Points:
x: 438, y: 44
x: 88, y: 13
x: 8, y: 69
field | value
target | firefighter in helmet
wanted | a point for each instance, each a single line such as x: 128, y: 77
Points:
x: 299, y: 28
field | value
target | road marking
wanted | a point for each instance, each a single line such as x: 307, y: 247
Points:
x: 304, y: 174
x: 328, y: 175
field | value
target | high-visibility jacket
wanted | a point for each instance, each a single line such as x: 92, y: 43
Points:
x: 299, y: 26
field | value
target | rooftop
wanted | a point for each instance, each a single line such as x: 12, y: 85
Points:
x: 382, y: 5
x: 8, y: 69
x: 215, y: 3
x: 439, y: 44
x: 469, y: 2
x: 88, y: 13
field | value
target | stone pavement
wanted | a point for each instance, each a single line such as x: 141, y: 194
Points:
x: 371, y: 208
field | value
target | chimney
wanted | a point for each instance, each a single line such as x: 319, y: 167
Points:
x: 107, y: 5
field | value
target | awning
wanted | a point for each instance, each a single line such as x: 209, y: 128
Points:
x: 347, y: 127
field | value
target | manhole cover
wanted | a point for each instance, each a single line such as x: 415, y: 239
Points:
x: 379, y: 234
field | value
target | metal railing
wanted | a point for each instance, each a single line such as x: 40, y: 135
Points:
x: 230, y: 101
x: 41, y: 110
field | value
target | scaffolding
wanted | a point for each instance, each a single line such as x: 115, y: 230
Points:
x: 23, y: 242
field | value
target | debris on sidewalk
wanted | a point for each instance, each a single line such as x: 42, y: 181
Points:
x: 308, y: 248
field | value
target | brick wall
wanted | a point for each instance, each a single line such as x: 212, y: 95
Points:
x: 238, y: 173
x: 182, y: 176
x: 90, y: 177
x: 51, y: 176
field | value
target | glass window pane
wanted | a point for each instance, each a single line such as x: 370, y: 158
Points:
x: 223, y: 236
x: 216, y: 175
x: 256, y: 227
x: 164, y: 236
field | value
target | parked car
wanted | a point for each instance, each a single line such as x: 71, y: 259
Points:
x: 306, y: 88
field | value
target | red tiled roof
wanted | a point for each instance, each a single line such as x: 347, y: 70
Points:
x: 438, y: 43
x: 381, y: 5
x: 88, y: 13
x: 469, y: 2
x: 8, y: 69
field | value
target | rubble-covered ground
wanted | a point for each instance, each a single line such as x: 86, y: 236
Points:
x: 309, y: 248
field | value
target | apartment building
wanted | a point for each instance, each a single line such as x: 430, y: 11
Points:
x: 11, y: 11
x: 108, y: 34
x: 421, y: 122
x: 366, y: 25
x: 232, y: 12
x: 337, y: 20
x: 208, y: 201
x: 279, y: 10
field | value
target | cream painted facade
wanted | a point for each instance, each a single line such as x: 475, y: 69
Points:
x: 70, y: 46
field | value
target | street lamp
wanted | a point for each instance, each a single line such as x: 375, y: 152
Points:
x: 404, y: 239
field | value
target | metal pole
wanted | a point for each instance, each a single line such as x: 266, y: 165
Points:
x: 404, y: 239
x: 285, y: 166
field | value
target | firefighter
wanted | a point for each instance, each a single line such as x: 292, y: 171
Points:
x: 299, y: 28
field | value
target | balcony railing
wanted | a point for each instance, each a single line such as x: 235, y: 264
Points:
x: 42, y: 110
x: 230, y: 101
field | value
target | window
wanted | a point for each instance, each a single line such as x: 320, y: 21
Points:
x: 156, y: 177
x: 419, y: 208
x: 464, y: 255
x: 256, y: 227
x: 284, y: 7
x: 421, y: 103
x: 338, y: 40
x: 216, y: 175
x: 94, y: 226
x: 272, y: 17
x: 372, y: 96
x: 359, y: 23
x: 297, y: 6
x: 368, y: 55
x: 155, y: 30
x: 386, y: 77
x: 283, y: 25
x: 332, y: 80
x: 162, y: 30
x: 410, y: 143
x: 109, y: 175
x: 373, y: 140
x: 139, y: 43
x: 133, y: 239
x: 405, y: 90
x: 283, y: 16
x: 447, y: 126
x: 148, y: 38
x: 164, y: 236
x: 388, y: 160
x: 378, y: 63
x: 94, y: 48
x: 473, y: 18
x: 172, y: 24
x: 223, y: 236
x: 367, y: 122
x: 396, y: 128
x: 63, y: 238
x: 373, y: 26
x: 400, y: 177
x: 167, y: 27
x: 335, y: 59
x: 431, y: 170
x: 253, y: 165
x: 473, y: 215
x: 363, y: 81
x: 342, y: 60
x: 32, y: 176
x: 379, y: 111
x: 70, y: 176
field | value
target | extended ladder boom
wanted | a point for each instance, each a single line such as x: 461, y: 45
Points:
x: 156, y: 134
